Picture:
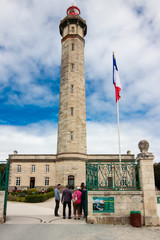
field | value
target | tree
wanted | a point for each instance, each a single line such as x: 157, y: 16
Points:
x: 157, y: 174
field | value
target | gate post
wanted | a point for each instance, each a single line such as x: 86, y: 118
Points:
x: 6, y: 190
x: 2, y: 196
x: 147, y: 184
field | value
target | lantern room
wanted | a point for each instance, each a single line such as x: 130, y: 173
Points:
x: 73, y: 10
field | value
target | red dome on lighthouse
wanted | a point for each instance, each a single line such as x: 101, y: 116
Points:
x: 73, y: 10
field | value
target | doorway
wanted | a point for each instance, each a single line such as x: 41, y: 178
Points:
x: 71, y: 181
x: 32, y: 182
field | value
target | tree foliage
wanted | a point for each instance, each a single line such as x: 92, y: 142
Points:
x: 157, y: 174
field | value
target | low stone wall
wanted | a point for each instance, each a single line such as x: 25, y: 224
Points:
x: 2, y: 196
x: 124, y: 202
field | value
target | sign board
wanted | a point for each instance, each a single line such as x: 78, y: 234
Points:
x: 103, y: 204
x: 158, y: 199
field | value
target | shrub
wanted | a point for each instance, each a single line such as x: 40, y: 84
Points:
x: 32, y: 191
x: 15, y: 193
x: 50, y: 194
x: 22, y: 194
x: 20, y: 199
x: 39, y: 197
x: 49, y: 189
x: 25, y: 191
x: 12, y: 198
x: 36, y: 198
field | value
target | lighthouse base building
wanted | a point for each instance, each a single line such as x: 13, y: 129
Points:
x: 42, y: 171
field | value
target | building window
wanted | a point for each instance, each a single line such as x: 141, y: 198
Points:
x: 72, y: 46
x: 72, y: 67
x: 47, y: 168
x: 71, y: 135
x: 19, y: 168
x: 18, y: 181
x: 33, y: 168
x: 46, y: 181
x: 72, y: 29
x: 71, y: 111
x: 72, y: 86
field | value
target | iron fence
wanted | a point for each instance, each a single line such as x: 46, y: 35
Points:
x: 112, y: 176
x: 4, y: 180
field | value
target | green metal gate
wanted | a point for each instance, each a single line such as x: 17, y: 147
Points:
x: 112, y: 176
x: 4, y: 181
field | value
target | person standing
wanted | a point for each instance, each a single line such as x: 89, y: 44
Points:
x: 77, y: 205
x: 83, y: 198
x: 66, y: 200
x: 82, y: 186
x: 57, y: 199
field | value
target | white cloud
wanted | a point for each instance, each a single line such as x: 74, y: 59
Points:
x: 101, y: 139
x: 30, y: 39
x: 31, y: 139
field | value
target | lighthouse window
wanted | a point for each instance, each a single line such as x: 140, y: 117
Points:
x: 71, y: 111
x: 72, y: 88
x: 72, y: 29
x: 71, y: 135
x: 33, y: 168
x: 72, y: 46
x: 72, y: 67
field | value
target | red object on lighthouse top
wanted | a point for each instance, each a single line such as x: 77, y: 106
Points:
x: 73, y: 10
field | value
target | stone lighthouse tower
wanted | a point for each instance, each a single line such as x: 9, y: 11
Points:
x: 71, y: 146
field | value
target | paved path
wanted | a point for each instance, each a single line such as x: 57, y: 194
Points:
x: 38, y: 223
x: 78, y: 232
x: 34, y: 213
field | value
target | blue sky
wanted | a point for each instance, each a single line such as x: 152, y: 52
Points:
x: 30, y: 56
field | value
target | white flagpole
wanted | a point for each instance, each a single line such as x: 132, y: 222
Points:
x: 119, y: 85
x: 119, y: 143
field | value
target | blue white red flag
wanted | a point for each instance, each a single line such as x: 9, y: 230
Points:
x: 116, y: 79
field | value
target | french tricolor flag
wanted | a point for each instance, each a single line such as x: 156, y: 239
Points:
x: 116, y: 79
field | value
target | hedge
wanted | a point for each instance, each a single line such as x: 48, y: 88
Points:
x: 39, y: 197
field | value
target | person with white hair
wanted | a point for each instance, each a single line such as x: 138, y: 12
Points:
x: 76, y: 198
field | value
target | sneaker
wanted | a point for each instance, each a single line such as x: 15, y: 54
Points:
x: 57, y: 215
x: 69, y: 217
x: 64, y: 217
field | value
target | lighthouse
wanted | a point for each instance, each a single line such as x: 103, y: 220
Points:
x: 71, y: 143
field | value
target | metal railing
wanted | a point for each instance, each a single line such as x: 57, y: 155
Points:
x: 112, y: 176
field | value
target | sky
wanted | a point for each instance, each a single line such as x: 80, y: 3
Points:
x: 30, y: 65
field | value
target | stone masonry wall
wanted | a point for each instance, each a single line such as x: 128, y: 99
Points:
x: 2, y: 196
x: 72, y: 95
x: 66, y: 168
x: 26, y: 173
x: 124, y: 202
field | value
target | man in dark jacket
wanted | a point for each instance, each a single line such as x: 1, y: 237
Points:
x: 66, y: 200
